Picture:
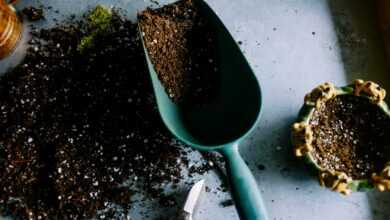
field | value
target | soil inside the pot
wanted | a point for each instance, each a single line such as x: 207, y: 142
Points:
x: 351, y: 135
x: 182, y: 47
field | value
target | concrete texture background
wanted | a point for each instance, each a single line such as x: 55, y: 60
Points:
x: 293, y: 45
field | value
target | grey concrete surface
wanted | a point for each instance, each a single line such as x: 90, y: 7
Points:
x: 293, y: 45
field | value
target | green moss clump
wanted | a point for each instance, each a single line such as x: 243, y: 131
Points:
x: 98, y: 21
x: 85, y: 43
x: 99, y: 18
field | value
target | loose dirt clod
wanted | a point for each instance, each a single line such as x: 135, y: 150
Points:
x: 182, y: 48
x: 79, y: 130
x: 33, y: 14
x: 227, y: 203
x: 351, y: 135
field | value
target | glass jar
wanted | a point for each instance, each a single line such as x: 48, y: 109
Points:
x: 10, y: 28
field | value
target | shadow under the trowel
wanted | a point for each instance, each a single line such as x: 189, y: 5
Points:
x: 363, y: 55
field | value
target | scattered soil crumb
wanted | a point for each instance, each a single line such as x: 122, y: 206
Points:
x: 33, y: 14
x: 261, y: 167
x: 155, y: 2
x: 227, y: 203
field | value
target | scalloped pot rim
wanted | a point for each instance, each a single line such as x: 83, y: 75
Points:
x: 302, y: 135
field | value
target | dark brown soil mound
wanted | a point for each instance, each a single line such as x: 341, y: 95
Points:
x: 351, y: 135
x: 75, y: 126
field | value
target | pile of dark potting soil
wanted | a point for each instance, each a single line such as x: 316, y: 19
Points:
x: 182, y: 47
x: 78, y: 118
x: 351, y: 135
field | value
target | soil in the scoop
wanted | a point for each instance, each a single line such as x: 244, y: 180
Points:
x: 182, y: 47
x: 74, y: 127
x: 351, y: 135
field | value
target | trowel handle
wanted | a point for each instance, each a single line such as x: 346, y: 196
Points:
x: 246, y: 194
